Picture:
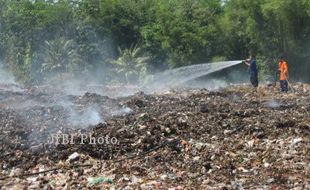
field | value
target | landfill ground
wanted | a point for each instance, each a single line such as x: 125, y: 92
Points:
x: 233, y: 138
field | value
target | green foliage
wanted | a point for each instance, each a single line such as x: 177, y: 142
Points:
x: 132, y: 63
x: 267, y: 68
x: 270, y: 28
x: 218, y: 58
x: 183, y: 31
x: 59, y: 56
x: 38, y: 36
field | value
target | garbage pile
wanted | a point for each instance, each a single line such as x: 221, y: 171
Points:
x: 233, y: 138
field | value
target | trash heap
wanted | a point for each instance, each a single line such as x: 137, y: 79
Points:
x: 233, y: 138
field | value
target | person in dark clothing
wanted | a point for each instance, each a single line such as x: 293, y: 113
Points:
x: 251, y: 62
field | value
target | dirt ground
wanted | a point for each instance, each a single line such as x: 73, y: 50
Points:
x: 233, y: 138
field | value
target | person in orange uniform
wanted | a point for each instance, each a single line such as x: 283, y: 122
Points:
x: 283, y: 72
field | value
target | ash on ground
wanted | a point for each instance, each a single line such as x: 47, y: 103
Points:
x: 232, y: 138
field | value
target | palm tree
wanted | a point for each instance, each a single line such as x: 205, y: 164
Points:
x: 132, y: 64
x: 59, y: 55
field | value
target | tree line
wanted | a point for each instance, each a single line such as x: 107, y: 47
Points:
x: 133, y: 38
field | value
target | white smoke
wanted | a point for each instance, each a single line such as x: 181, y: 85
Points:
x: 5, y: 76
x: 7, y: 81
x: 84, y: 118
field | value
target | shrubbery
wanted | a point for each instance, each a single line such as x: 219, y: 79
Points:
x: 38, y: 37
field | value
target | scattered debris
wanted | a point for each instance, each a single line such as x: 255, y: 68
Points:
x: 98, y: 180
x: 228, y: 139
x: 73, y: 157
